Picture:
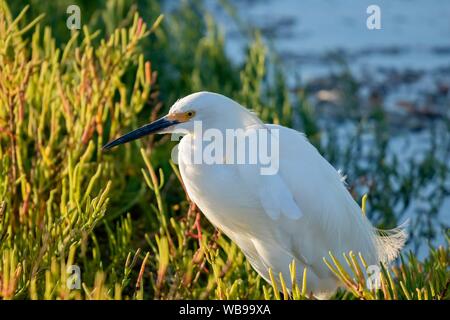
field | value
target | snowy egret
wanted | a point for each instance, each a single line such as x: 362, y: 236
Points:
x: 299, y: 213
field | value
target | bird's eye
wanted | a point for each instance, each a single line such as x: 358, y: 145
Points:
x: 190, y: 114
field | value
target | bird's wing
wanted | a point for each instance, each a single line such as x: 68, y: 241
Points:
x: 332, y: 220
x: 272, y: 193
x: 270, y: 188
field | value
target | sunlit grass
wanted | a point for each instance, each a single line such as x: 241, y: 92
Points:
x: 123, y: 217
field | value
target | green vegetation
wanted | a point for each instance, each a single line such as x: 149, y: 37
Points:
x: 123, y: 216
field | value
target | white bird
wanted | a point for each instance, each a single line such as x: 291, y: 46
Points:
x: 301, y: 213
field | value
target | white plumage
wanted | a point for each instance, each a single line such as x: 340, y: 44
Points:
x: 327, y: 219
x: 301, y: 213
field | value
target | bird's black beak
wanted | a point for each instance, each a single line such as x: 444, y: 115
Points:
x: 150, y: 128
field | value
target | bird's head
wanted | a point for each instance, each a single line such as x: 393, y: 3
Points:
x: 212, y: 109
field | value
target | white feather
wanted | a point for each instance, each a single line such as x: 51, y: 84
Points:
x: 302, y: 213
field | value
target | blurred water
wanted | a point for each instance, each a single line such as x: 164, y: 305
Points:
x: 413, y: 34
x: 410, y: 51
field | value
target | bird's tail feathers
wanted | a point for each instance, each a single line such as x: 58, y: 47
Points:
x: 390, y: 242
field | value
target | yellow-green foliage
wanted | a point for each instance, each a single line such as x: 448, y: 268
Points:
x: 123, y: 217
x: 54, y: 109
